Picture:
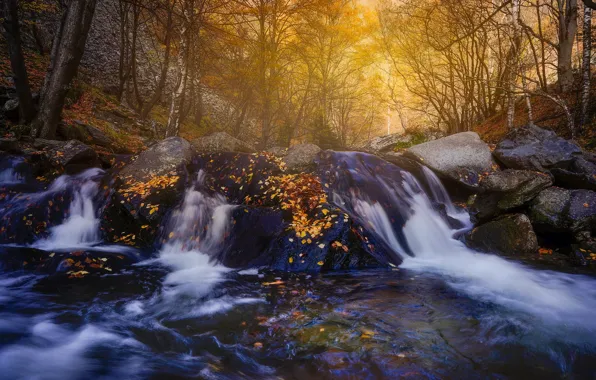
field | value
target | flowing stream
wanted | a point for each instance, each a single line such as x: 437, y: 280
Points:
x: 446, y: 312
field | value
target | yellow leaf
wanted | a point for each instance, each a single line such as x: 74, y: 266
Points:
x: 320, y: 263
x: 291, y: 260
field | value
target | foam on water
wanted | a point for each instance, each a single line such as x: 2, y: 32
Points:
x: 196, y: 233
x: 556, y: 298
x: 81, y: 228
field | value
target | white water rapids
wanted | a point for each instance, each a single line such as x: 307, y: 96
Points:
x: 556, y: 298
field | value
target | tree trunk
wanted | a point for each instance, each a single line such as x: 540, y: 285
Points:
x: 586, y: 66
x: 12, y: 34
x: 516, y: 43
x: 175, y: 117
x: 66, y: 56
x: 567, y: 31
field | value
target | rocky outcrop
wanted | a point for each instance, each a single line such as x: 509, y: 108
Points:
x: 383, y: 144
x: 86, y: 133
x: 580, y: 174
x: 301, y: 158
x: 221, y: 142
x: 145, y: 190
x: 73, y: 156
x: 462, y: 157
x: 534, y: 148
x: 561, y: 210
x: 505, y: 190
x: 507, y: 235
x: 171, y: 154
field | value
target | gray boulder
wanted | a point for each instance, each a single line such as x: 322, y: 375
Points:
x: 97, y: 137
x: 221, y: 142
x: 387, y: 143
x: 507, y: 235
x: 462, y: 157
x: 11, y: 110
x: 301, y: 158
x: 561, y: 210
x: 44, y: 144
x: 145, y: 190
x: 173, y: 154
x: 278, y: 151
x: 84, y: 132
x: 534, y: 148
x: 73, y: 156
x: 508, y: 189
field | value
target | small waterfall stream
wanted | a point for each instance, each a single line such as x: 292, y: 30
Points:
x: 80, y: 229
x: 447, y: 311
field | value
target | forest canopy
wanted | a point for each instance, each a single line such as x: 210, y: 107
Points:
x: 333, y: 72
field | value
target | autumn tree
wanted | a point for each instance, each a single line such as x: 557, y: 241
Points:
x: 67, y: 51
x: 12, y: 34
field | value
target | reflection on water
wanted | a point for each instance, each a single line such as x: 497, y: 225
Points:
x: 373, y: 324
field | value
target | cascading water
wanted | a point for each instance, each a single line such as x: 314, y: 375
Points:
x: 447, y: 312
x: 195, y: 233
x: 556, y: 298
x: 81, y: 228
x: 9, y: 175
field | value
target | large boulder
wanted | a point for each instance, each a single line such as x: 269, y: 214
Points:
x: 534, y: 148
x: 145, y: 190
x: 84, y: 132
x: 507, y: 235
x: 221, y: 142
x: 561, y: 210
x: 278, y: 151
x: 462, y: 157
x: 387, y: 143
x: 508, y: 189
x: 73, y: 156
x: 581, y: 174
x: 171, y: 154
x: 11, y: 110
x: 301, y: 158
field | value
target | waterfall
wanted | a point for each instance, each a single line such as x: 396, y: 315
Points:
x: 195, y: 234
x: 10, y: 175
x: 81, y: 228
x: 552, y: 296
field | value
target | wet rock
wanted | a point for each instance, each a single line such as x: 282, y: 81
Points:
x: 73, y: 156
x: 301, y: 158
x: 52, y: 144
x: 221, y: 142
x: 561, y: 210
x: 11, y: 110
x: 508, y: 235
x: 462, y: 157
x: 387, y: 143
x: 505, y: 190
x: 581, y: 174
x: 145, y: 190
x: 534, y: 148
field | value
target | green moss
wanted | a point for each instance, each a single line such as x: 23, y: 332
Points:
x: 418, y: 137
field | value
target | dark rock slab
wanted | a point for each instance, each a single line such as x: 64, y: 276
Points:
x: 508, y: 235
x: 534, y: 148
